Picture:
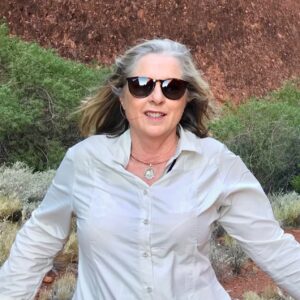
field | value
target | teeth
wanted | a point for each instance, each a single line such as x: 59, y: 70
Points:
x: 154, y: 114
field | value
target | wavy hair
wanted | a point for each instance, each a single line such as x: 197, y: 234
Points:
x: 103, y: 113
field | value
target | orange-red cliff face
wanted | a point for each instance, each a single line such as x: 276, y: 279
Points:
x: 244, y: 47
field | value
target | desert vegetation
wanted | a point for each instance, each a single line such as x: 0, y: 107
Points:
x: 39, y: 91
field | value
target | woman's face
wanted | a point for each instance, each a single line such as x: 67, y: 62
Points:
x: 154, y: 116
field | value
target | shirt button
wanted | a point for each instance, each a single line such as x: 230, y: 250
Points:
x: 146, y: 221
x: 145, y: 192
x: 145, y: 254
x: 149, y: 289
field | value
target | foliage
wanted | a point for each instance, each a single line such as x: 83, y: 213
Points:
x: 266, y: 134
x: 226, y: 256
x: 219, y: 260
x: 236, y: 255
x: 295, y: 182
x: 21, y: 182
x: 38, y: 92
x: 286, y: 208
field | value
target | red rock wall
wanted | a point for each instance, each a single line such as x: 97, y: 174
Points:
x: 244, y: 47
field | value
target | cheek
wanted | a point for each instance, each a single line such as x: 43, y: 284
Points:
x: 180, y: 109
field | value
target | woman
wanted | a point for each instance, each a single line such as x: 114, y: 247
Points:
x: 146, y: 188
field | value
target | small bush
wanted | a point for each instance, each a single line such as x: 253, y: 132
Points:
x: 21, y: 183
x: 226, y: 256
x: 10, y: 209
x: 236, y: 256
x: 286, y: 208
x: 38, y: 92
x: 64, y: 287
x: 266, y: 134
x: 219, y: 260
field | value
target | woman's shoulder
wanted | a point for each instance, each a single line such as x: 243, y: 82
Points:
x: 90, y: 147
x: 207, y: 146
x: 211, y: 144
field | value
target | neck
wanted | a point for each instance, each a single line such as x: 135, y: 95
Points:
x: 153, y: 149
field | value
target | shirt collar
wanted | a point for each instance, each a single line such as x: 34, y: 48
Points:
x: 188, y: 141
x: 121, y: 146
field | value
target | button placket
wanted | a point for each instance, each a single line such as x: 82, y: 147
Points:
x: 145, y: 246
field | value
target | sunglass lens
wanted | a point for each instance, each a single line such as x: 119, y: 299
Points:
x: 140, y: 86
x: 174, y: 88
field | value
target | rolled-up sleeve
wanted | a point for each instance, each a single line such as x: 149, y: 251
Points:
x: 41, y: 238
x: 248, y: 217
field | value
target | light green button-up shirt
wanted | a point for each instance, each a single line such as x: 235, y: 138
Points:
x: 139, y: 242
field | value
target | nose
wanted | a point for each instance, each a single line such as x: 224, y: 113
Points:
x: 157, y: 96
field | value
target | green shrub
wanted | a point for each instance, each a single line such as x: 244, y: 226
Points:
x: 266, y: 134
x: 286, y: 208
x: 296, y: 183
x: 38, y: 92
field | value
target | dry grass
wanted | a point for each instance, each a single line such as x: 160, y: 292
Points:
x: 236, y: 256
x: 9, y: 207
x: 286, y: 208
x: 270, y: 293
x: 45, y: 294
x: 251, y: 296
x: 70, y: 250
x: 8, y: 233
x: 64, y: 287
x: 69, y: 253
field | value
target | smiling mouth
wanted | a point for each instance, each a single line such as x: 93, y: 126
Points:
x: 155, y: 115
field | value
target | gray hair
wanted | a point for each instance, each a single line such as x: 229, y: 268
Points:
x: 103, y: 114
x: 125, y: 64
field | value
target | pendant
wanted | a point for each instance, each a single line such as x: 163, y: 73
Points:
x: 149, y: 173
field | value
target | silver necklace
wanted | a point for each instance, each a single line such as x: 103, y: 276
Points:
x: 149, y: 171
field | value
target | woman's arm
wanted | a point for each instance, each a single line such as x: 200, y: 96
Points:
x: 39, y: 240
x: 248, y: 217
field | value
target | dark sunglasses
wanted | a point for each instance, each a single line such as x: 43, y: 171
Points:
x: 141, y: 87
